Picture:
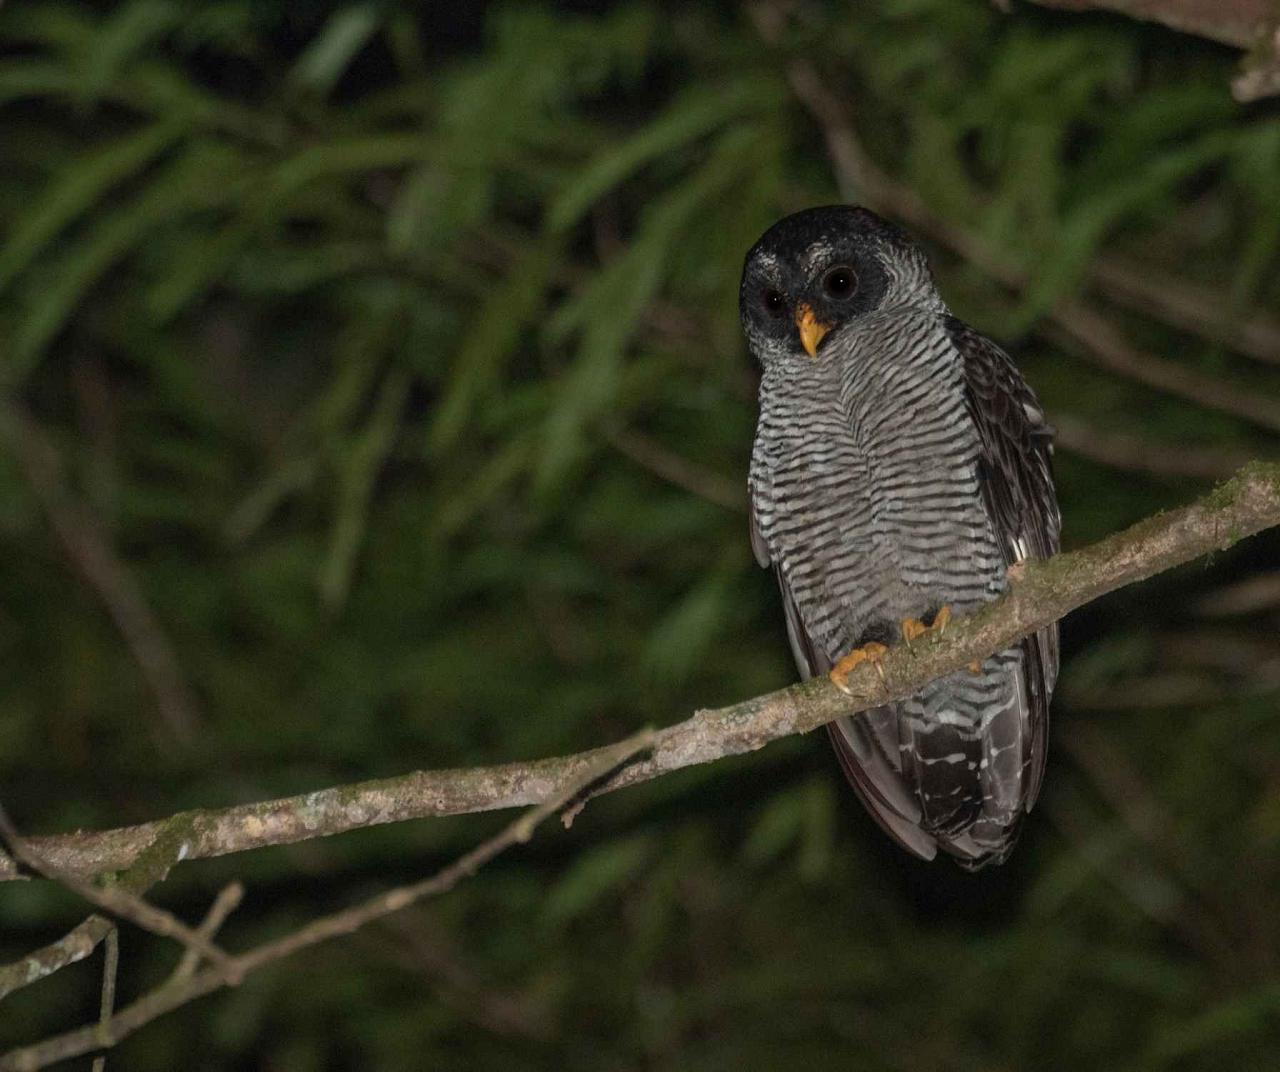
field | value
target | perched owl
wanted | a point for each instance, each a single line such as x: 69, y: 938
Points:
x: 900, y: 466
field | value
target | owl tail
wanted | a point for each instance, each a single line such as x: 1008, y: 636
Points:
x: 936, y: 779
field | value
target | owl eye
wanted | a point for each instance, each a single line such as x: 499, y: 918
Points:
x: 840, y: 282
x: 774, y: 303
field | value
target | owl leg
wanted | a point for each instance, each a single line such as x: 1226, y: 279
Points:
x: 871, y: 652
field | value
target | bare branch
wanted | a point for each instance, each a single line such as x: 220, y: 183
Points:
x: 180, y: 990
x: 115, y: 899
x: 73, y: 946
x: 1232, y: 22
x: 149, y: 867
x: 1042, y: 593
x: 1101, y: 344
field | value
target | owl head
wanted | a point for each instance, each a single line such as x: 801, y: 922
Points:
x: 817, y: 271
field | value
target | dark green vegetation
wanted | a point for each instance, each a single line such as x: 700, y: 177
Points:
x: 393, y: 361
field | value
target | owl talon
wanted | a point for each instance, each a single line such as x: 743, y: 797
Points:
x: 871, y: 652
x: 914, y: 628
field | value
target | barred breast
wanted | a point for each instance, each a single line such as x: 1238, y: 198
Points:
x: 866, y: 498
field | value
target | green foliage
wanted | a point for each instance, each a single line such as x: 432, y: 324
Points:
x: 345, y: 319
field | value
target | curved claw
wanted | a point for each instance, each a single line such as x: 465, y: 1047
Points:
x: 871, y: 652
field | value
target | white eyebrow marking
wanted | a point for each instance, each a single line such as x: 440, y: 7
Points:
x: 815, y: 254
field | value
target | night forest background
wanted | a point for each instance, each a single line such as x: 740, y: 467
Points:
x: 372, y: 398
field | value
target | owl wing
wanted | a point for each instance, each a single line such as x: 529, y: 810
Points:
x: 1015, y: 475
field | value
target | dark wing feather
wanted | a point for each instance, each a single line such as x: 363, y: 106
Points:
x: 1017, y: 489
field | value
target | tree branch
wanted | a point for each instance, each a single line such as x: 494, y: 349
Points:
x: 1042, y: 593
x: 182, y: 988
x: 73, y: 946
x: 1248, y: 24
x: 149, y: 867
x: 1185, y: 305
x: 116, y: 899
x: 1232, y: 22
x: 227, y: 901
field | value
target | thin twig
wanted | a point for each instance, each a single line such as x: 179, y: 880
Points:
x: 1121, y: 450
x: 671, y: 467
x: 227, y: 901
x: 1043, y: 593
x: 146, y: 868
x: 177, y: 992
x: 1188, y: 307
x: 1102, y: 345
x: 118, y: 901
x: 86, y: 544
x: 73, y: 946
x: 110, y: 968
x: 1253, y: 595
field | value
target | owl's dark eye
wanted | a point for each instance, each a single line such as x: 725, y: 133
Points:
x: 840, y: 282
x: 774, y: 303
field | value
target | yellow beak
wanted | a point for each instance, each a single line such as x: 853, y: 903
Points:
x: 811, y: 329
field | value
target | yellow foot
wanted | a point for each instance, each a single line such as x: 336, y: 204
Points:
x: 868, y: 653
x: 914, y: 628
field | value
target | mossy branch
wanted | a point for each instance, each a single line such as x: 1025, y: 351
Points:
x: 1041, y: 593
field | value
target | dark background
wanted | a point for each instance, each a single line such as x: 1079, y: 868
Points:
x: 373, y: 398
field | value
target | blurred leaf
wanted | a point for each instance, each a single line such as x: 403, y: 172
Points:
x: 351, y: 296
x: 608, y: 309
x: 268, y: 201
x: 362, y: 460
x: 490, y: 338
x: 593, y: 876
x: 687, y: 119
x: 683, y: 637
x: 125, y: 33
x: 1235, y: 1019
x: 79, y: 186
x: 204, y: 175
x: 1086, y: 226
x: 328, y: 55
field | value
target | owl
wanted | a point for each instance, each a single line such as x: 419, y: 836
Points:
x: 901, y: 465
